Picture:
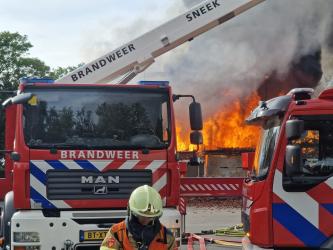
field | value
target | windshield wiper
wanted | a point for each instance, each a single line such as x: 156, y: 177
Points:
x: 66, y: 145
x: 128, y: 145
x: 60, y: 146
x: 142, y: 146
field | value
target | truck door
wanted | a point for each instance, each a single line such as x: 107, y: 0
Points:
x: 302, y: 205
x: 6, y: 164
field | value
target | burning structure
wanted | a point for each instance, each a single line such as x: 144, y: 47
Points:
x: 265, y: 52
x: 225, y: 133
x: 276, y: 47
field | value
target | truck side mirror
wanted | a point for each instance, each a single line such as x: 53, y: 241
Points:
x: 248, y: 160
x: 294, y: 129
x: 195, y: 116
x: 293, y: 160
x: 196, y: 137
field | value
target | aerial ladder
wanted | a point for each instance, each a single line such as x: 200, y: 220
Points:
x: 128, y: 60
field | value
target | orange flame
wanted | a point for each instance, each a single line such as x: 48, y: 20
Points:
x: 183, y: 139
x: 310, y: 144
x: 226, y: 128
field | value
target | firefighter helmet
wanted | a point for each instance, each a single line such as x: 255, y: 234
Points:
x: 145, y: 201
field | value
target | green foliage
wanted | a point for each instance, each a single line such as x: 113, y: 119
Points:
x: 14, y: 60
x: 61, y: 71
x: 15, y: 63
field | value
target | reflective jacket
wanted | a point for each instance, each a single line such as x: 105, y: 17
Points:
x: 118, y: 238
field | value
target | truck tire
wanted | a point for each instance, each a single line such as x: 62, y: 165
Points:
x: 8, y: 211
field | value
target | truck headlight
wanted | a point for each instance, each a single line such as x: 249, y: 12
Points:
x: 26, y: 237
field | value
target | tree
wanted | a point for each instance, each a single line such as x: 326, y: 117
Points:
x: 61, y: 71
x: 15, y: 63
x: 14, y: 60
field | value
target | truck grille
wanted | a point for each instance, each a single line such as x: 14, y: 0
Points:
x: 83, y: 184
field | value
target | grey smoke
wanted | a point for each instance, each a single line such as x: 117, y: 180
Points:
x: 230, y: 61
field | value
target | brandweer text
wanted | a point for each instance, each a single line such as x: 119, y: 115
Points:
x: 99, y: 154
x: 102, y: 62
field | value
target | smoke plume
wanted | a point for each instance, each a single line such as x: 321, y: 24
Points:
x: 234, y: 59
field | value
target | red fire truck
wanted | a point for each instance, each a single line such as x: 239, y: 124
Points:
x: 288, y: 197
x: 75, y: 149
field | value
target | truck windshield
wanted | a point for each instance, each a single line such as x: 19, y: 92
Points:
x: 265, y: 150
x: 97, y: 118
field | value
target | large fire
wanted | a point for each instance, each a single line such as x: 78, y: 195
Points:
x: 226, y: 128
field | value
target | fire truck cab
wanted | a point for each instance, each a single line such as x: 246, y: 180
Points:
x: 75, y: 154
x: 288, y: 195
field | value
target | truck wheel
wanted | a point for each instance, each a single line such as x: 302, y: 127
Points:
x: 8, y: 211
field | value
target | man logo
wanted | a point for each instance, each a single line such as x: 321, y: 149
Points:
x: 100, y: 190
x: 99, y: 179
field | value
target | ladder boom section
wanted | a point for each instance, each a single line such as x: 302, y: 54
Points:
x: 135, y: 56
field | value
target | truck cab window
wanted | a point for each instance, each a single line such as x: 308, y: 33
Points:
x: 310, y: 149
x: 2, y: 166
x: 264, y: 151
x: 316, y: 154
x: 165, y: 123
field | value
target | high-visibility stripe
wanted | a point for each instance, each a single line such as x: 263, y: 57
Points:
x: 57, y: 165
x: 329, y: 182
x: 129, y: 164
x: 71, y: 164
x: 154, y: 165
x: 301, y: 202
x: 40, y: 192
x: 86, y: 165
x: 38, y: 169
x: 100, y: 164
x: 160, y: 183
x: 42, y: 165
x: 38, y: 174
x: 299, y: 226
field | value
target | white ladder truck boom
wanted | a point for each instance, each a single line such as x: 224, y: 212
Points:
x: 135, y: 56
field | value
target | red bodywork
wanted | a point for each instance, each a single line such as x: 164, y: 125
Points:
x: 20, y: 180
x: 6, y: 183
x: 262, y: 223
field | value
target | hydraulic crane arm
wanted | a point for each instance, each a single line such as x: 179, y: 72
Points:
x: 137, y: 55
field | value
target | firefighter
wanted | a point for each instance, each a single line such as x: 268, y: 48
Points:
x: 141, y: 229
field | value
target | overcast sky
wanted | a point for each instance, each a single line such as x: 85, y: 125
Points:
x: 66, y: 33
